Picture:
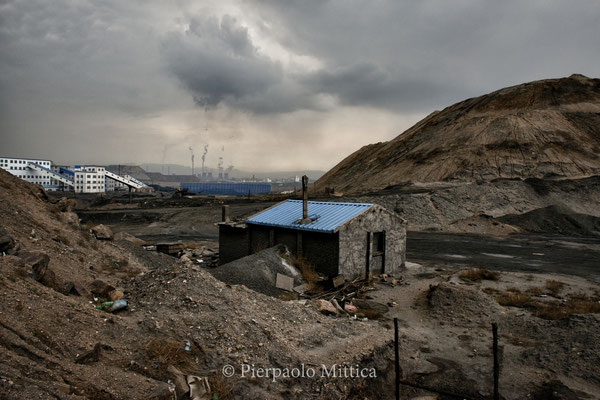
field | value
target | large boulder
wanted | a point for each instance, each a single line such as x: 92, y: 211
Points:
x: 71, y: 218
x: 129, y: 237
x: 38, y: 260
x: 102, y: 232
x: 6, y: 241
x: 101, y: 288
x: 65, y: 205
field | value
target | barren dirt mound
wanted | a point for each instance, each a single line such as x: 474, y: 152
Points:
x: 447, y: 301
x: 555, y: 219
x: 537, y: 129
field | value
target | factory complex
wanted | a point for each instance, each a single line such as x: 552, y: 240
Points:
x: 101, y: 179
x: 78, y: 178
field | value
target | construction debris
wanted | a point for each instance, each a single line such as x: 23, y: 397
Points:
x: 325, y: 307
x: 338, y: 281
x: 284, y: 282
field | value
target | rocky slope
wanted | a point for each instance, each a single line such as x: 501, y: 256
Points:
x: 547, y: 128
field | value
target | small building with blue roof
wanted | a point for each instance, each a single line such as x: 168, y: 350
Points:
x: 352, y: 239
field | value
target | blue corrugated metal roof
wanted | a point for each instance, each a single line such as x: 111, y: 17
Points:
x: 329, y: 216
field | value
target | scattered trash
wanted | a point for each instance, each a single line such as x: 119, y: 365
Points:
x: 350, y: 308
x: 199, y: 388
x: 113, y: 306
x: 337, y: 306
x: 187, y: 346
x: 104, y: 305
x: 118, y: 305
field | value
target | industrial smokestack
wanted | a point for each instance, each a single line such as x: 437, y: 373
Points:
x: 304, y: 197
x: 204, y: 157
x: 192, y: 151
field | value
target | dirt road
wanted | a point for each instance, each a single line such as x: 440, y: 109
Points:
x: 535, y: 253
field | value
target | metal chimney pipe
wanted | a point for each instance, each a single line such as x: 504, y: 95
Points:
x: 225, y: 213
x: 304, y: 197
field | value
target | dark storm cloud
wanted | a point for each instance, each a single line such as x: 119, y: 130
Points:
x: 367, y: 84
x: 216, y: 60
x: 402, y: 56
x: 97, y: 79
x: 218, y: 63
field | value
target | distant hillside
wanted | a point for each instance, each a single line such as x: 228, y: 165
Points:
x: 539, y: 129
x: 131, y: 170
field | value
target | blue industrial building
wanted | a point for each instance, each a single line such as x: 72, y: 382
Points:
x: 226, y: 188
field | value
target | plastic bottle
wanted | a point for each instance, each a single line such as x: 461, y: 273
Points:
x: 118, y: 305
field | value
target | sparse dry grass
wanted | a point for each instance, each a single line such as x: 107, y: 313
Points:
x: 510, y: 299
x: 369, y: 313
x: 309, y: 276
x: 479, y: 274
x: 287, y: 296
x: 221, y: 387
x: 165, y: 352
x: 535, y: 290
x: 554, y: 287
x: 491, y: 290
x: 577, y: 304
x: 513, y: 289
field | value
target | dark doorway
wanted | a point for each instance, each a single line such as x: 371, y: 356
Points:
x: 378, y: 260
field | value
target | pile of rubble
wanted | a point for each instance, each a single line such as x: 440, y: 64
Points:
x: 206, y: 256
x: 352, y: 298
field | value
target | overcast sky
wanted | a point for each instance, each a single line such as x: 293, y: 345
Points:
x: 278, y: 84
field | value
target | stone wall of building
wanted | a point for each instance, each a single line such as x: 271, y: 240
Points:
x: 353, y: 242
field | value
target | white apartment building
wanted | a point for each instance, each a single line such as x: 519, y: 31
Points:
x: 80, y: 179
x: 89, y: 179
x: 20, y: 168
